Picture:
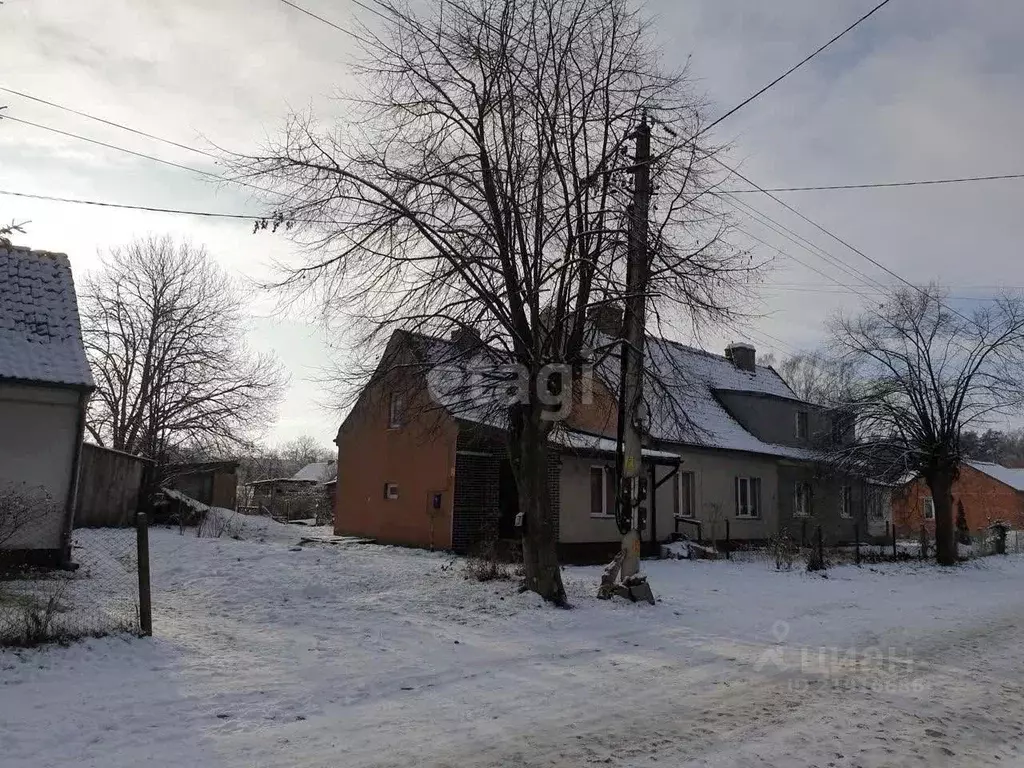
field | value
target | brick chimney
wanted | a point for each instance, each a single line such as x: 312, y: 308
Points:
x: 467, y: 338
x: 607, y: 318
x: 742, y: 355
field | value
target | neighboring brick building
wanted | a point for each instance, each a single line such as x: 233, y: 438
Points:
x: 988, y: 492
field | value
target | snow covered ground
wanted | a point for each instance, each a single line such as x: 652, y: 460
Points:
x: 341, y: 654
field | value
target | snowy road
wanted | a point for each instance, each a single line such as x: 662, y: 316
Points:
x: 370, y: 656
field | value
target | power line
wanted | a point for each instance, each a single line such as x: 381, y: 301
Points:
x: 792, y: 69
x: 152, y: 209
x: 328, y: 22
x: 885, y: 184
x: 104, y: 121
x: 114, y: 147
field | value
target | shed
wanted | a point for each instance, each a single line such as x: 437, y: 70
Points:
x: 45, y: 383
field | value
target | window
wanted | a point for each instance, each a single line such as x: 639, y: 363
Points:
x: 396, y: 408
x: 684, y: 495
x: 802, y: 500
x: 390, y: 490
x: 801, y: 425
x: 602, y: 491
x: 748, y: 497
x: 845, y: 501
x: 929, y: 508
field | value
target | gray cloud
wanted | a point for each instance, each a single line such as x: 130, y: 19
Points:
x: 926, y: 88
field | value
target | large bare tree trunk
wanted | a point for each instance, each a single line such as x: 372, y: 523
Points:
x: 941, y: 486
x: 529, y: 450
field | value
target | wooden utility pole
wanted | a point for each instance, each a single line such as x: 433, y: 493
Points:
x: 632, y: 418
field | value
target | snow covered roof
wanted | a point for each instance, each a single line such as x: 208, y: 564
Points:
x: 691, y: 377
x: 579, y: 441
x: 688, y: 376
x: 1010, y: 476
x: 40, y: 332
x: 317, y: 472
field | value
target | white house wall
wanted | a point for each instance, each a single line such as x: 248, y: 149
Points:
x: 38, y: 438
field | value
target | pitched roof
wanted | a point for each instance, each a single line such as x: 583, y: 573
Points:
x: 40, y: 333
x: 686, y: 375
x: 691, y: 377
x: 1007, y: 475
x: 317, y: 472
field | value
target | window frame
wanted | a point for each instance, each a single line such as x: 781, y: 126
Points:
x: 388, y: 488
x: 396, y: 410
x: 928, y: 503
x: 692, y: 506
x: 846, y: 502
x: 805, y: 509
x: 752, y: 509
x: 803, y: 425
x: 607, y: 492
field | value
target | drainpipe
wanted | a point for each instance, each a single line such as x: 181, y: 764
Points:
x: 72, y: 496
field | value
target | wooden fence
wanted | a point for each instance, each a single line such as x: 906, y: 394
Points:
x: 108, y: 487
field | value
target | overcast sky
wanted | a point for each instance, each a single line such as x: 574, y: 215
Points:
x: 924, y: 89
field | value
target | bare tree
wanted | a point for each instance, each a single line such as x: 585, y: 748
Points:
x: 164, y: 334
x: 922, y: 373
x: 817, y: 377
x: 304, y: 450
x: 483, y: 187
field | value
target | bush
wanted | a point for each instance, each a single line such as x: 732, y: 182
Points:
x: 817, y: 561
x: 486, y: 563
x: 783, y: 550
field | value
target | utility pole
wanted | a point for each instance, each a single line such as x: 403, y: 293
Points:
x: 632, y: 417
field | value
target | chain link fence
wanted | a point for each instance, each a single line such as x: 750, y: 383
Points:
x: 99, y: 597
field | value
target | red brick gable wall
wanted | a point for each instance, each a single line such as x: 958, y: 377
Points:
x: 984, y: 498
x: 419, y: 457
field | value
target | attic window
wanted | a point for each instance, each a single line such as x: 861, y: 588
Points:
x: 396, y: 410
x: 391, y: 490
x: 801, y: 425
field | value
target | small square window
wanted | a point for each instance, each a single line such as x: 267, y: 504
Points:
x: 390, y: 490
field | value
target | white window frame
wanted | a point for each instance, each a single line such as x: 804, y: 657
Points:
x: 752, y: 510
x: 846, y: 501
x: 396, y: 407
x: 607, y: 485
x: 928, y: 507
x: 390, y: 491
x: 804, y: 433
x: 693, y: 494
x: 802, y: 499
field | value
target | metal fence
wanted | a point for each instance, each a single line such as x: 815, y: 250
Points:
x: 99, y: 597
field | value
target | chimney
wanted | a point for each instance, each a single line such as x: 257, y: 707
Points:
x: 467, y: 338
x: 606, y: 318
x: 742, y: 355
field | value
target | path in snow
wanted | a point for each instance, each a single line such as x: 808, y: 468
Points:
x: 373, y: 656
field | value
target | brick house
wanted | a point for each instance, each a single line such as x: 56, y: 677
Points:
x: 987, y: 492
x: 419, y: 467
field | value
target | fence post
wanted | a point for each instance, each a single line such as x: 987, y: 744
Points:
x: 923, y: 543
x: 145, y: 598
x: 803, y: 533
x: 856, y: 541
x: 894, y: 556
x: 821, y: 548
x: 728, y: 540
